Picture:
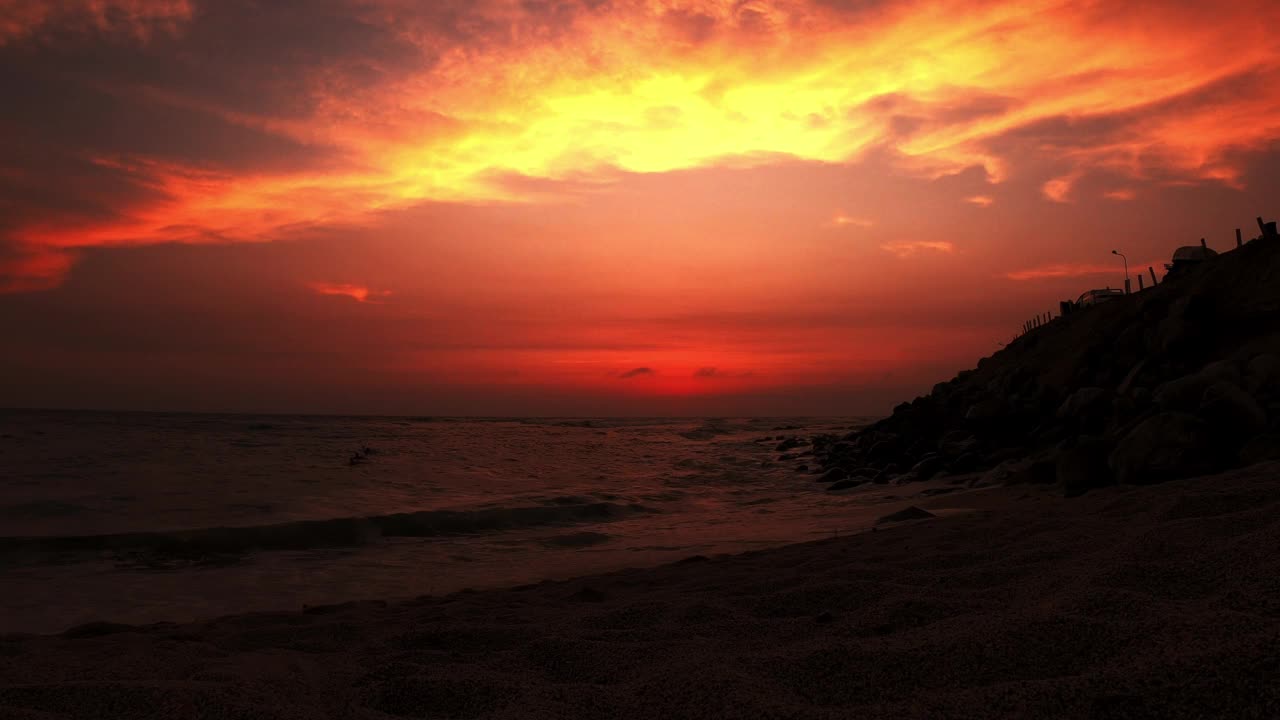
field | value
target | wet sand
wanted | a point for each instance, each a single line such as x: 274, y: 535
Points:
x: 1159, y: 601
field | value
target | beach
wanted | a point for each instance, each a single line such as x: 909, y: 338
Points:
x: 1156, y: 601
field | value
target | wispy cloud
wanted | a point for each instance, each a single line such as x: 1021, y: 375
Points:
x: 359, y: 293
x: 1067, y: 270
x: 1120, y: 194
x: 843, y: 220
x: 636, y: 372
x: 1059, y: 189
x: 908, y: 248
x: 361, y: 122
x: 980, y: 200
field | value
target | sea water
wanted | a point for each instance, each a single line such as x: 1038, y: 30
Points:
x: 148, y: 517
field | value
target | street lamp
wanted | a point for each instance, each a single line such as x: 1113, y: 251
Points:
x: 1126, y: 269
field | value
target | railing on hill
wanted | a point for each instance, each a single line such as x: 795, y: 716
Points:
x: 1267, y: 231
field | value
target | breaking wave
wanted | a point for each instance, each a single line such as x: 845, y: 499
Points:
x: 338, y: 532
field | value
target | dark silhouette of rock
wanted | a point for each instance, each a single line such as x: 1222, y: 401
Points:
x: 1019, y: 472
x: 845, y: 484
x: 1232, y: 412
x: 957, y: 443
x: 968, y: 462
x: 1183, y: 394
x: 1083, y: 466
x: 986, y: 410
x: 1263, y: 374
x: 834, y: 475
x: 1086, y: 408
x: 1260, y: 449
x: 911, y: 513
x: 927, y: 467
x: 1222, y: 371
x: 1168, y: 446
x: 1105, y: 372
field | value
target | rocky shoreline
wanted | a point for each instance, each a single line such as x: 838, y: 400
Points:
x: 1178, y: 381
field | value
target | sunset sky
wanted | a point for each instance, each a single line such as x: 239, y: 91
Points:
x: 590, y: 207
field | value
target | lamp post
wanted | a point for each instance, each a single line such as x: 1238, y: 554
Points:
x: 1126, y: 269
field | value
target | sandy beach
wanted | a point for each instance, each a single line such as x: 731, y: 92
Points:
x: 1155, y: 601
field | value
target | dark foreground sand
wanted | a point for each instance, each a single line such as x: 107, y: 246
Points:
x: 1132, y: 602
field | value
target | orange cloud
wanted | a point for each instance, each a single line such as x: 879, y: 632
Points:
x: 1120, y: 194
x: 981, y: 200
x: 1059, y: 189
x: 359, y: 293
x: 842, y: 220
x: 654, y: 87
x: 908, y: 248
x: 1068, y: 270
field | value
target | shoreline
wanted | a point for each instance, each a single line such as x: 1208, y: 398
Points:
x: 1134, y: 601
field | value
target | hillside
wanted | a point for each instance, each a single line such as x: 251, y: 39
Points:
x: 1180, y: 380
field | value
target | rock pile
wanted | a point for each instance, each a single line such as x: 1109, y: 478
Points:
x: 1180, y: 380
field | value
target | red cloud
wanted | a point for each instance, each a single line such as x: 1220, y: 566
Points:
x: 359, y: 293
x: 513, y: 90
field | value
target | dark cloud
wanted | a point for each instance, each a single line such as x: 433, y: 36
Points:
x: 706, y: 372
x: 637, y: 372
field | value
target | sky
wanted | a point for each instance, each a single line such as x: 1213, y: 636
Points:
x: 595, y: 207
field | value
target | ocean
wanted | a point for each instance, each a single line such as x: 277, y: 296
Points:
x: 151, y: 517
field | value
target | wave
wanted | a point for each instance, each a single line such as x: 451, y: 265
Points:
x: 338, y: 532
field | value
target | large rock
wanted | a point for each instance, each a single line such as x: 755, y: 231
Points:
x: 1222, y: 371
x: 1186, y: 329
x: 1263, y: 374
x: 956, y: 443
x: 1235, y: 415
x: 833, y: 475
x: 1168, y: 446
x: 1260, y: 449
x: 986, y: 410
x: 1082, y: 466
x: 927, y: 467
x: 1087, y: 407
x: 1183, y: 394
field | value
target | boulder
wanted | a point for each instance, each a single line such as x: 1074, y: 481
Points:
x: 986, y: 410
x: 957, y: 443
x: 886, y: 449
x: 1263, y: 374
x: 1183, y: 394
x: 833, y: 475
x: 1232, y: 412
x: 1222, y: 371
x: 1087, y: 407
x: 927, y: 467
x: 1168, y: 446
x: 1186, y: 327
x: 911, y: 513
x: 1082, y: 466
x: 848, y: 483
x: 1261, y: 449
x: 968, y: 462
x: 1020, y: 472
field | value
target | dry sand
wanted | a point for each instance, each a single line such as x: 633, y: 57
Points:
x: 1157, y: 602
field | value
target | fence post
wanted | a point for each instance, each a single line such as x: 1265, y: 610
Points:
x: 1239, y: 240
x: 1140, y: 288
x: 1152, y: 270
